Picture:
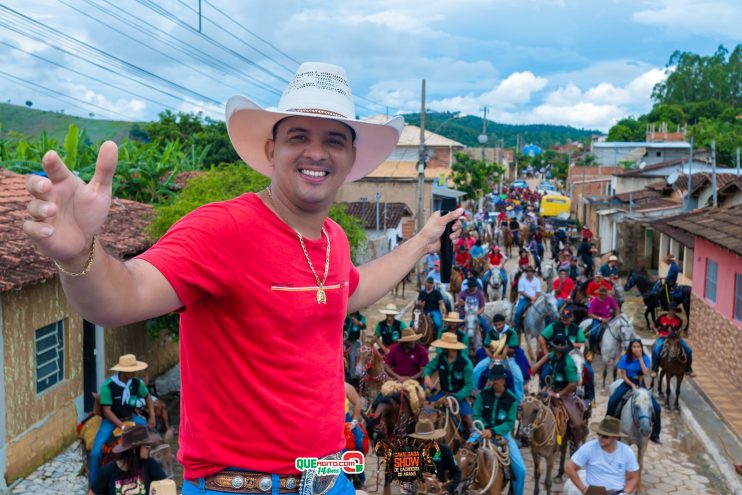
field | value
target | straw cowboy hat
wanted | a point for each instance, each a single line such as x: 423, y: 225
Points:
x: 135, y: 436
x: 163, y: 487
x: 453, y: 317
x: 390, y: 310
x: 409, y: 336
x: 608, y: 427
x: 128, y: 364
x: 448, y: 340
x: 613, y: 257
x: 317, y: 90
x: 499, y: 345
x: 425, y: 430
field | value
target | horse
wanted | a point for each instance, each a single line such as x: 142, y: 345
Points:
x: 403, y: 282
x: 502, y: 307
x: 538, y: 428
x: 654, y: 297
x: 457, y: 278
x: 618, y: 332
x: 479, y: 264
x: 534, y: 319
x: 495, y: 285
x: 548, y: 273
x: 446, y: 418
x: 370, y: 369
x: 482, y: 468
x: 508, y: 240
x: 672, y: 364
x: 472, y: 327
x: 497, y: 234
x: 637, y: 417
x: 423, y: 324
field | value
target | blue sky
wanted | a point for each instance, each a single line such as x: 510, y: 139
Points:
x: 585, y: 63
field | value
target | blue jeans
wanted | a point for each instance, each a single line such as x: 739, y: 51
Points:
x: 594, y: 330
x: 519, y: 311
x: 437, y: 320
x: 516, y: 462
x: 343, y: 486
x: 615, y: 400
x: 104, y: 433
x: 658, y: 347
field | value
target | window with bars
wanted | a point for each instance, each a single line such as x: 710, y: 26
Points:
x: 49, y: 356
x: 712, y: 275
x: 738, y: 298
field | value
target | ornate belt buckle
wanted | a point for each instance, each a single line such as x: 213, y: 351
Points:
x: 265, y: 484
x: 238, y: 482
x: 291, y: 483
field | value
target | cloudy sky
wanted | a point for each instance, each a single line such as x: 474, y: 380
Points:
x: 585, y: 63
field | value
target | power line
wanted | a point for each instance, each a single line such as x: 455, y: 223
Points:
x: 33, y: 85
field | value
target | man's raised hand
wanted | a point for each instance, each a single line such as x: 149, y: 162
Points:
x: 65, y: 211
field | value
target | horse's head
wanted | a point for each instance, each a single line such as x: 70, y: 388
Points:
x: 624, y: 326
x: 365, y: 359
x: 630, y: 282
x: 467, y: 459
x: 528, y: 415
x: 642, y: 411
x: 376, y: 421
x: 552, y: 308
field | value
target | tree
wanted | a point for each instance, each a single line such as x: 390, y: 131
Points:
x: 29, y: 103
x: 472, y: 176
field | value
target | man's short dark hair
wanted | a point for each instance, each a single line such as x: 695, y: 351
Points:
x: 274, y: 131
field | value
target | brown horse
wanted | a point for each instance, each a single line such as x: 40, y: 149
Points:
x: 672, y: 364
x: 480, y: 265
x: 423, y: 325
x: 507, y: 240
x: 454, y: 286
x: 538, y: 426
x: 370, y: 369
x: 481, y: 470
x: 444, y: 419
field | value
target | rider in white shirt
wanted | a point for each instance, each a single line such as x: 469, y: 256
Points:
x: 529, y: 288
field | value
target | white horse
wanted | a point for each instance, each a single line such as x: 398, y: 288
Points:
x: 472, y: 325
x: 534, y: 319
x: 637, y: 417
x: 494, y: 288
x: 502, y: 307
x: 548, y: 273
x: 619, y: 332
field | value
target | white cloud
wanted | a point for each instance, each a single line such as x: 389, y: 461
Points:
x: 709, y: 17
x: 131, y: 108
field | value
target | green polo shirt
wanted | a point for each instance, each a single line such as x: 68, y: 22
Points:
x: 512, y: 337
x: 548, y: 334
x: 570, y: 368
x: 512, y: 414
x: 465, y: 391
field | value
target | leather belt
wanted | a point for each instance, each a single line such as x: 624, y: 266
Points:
x: 230, y: 481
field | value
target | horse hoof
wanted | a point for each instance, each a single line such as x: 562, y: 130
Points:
x: 677, y: 408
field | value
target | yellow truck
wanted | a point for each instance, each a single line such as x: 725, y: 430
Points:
x: 554, y: 205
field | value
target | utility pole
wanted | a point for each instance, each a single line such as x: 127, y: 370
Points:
x: 713, y: 173
x: 421, y: 166
x: 690, y: 177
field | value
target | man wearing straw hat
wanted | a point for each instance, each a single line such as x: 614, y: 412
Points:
x: 118, y: 399
x: 497, y: 409
x: 407, y: 358
x: 254, y: 274
x: 446, y: 469
x: 610, y: 465
x: 389, y: 330
x: 455, y: 375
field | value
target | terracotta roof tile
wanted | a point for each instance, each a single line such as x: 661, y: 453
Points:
x: 722, y: 226
x: 367, y: 214
x: 21, y: 264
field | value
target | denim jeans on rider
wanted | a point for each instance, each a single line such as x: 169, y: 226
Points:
x: 343, y: 486
x: 615, y: 400
x: 437, y: 320
x: 519, y: 311
x: 516, y: 462
x: 594, y: 330
x: 658, y: 347
x: 104, y: 433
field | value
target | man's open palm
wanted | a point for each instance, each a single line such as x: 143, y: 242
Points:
x: 66, y: 212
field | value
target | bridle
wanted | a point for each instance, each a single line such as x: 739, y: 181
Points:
x: 635, y: 416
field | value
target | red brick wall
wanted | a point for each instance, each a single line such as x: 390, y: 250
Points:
x: 716, y: 337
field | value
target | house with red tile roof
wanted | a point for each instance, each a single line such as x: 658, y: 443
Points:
x: 52, y: 360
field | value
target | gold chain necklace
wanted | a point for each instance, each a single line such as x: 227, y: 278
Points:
x: 321, y: 298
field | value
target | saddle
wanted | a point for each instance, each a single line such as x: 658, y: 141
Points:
x: 664, y: 351
x: 624, y: 400
x: 575, y: 409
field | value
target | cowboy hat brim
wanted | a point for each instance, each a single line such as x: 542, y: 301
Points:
x: 595, y: 428
x: 452, y: 320
x: 138, y: 366
x: 433, y: 435
x: 498, y: 346
x: 411, y: 338
x: 151, y: 439
x: 249, y: 126
x: 389, y: 312
x: 442, y: 344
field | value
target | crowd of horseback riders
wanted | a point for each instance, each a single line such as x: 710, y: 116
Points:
x: 462, y: 377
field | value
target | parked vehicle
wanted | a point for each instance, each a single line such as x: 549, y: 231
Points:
x: 555, y: 205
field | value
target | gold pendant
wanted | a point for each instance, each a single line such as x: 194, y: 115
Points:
x: 321, y: 299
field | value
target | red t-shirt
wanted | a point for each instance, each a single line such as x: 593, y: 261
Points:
x: 593, y: 287
x: 495, y: 258
x: 665, y: 323
x: 261, y: 360
x: 523, y: 261
x: 462, y: 258
x: 562, y: 290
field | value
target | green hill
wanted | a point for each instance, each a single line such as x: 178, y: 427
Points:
x: 466, y: 129
x: 30, y: 122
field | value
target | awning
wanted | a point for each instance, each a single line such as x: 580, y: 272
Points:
x: 446, y: 192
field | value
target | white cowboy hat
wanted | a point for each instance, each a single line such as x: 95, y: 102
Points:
x: 390, y: 309
x: 613, y: 257
x: 448, y: 340
x: 317, y: 90
x: 128, y: 364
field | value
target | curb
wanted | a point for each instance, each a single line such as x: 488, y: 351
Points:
x: 726, y: 469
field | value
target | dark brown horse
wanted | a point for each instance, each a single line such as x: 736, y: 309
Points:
x: 423, y: 325
x: 507, y: 240
x: 481, y: 470
x: 672, y: 364
x: 538, y: 427
x: 454, y: 286
x: 370, y: 369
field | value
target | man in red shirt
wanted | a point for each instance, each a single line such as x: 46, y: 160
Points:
x: 407, y: 358
x: 596, y: 284
x: 462, y: 258
x: 249, y: 276
x: 669, y: 322
x: 563, y: 287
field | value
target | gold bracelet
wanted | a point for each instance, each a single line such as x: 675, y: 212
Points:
x: 85, y: 268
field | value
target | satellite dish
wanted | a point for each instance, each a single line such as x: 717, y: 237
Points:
x: 673, y: 178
